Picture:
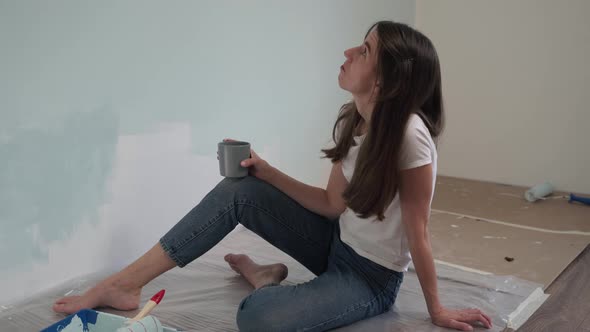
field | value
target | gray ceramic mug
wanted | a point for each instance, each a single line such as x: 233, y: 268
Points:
x: 230, y: 156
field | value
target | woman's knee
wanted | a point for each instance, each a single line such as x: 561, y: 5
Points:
x: 237, y: 187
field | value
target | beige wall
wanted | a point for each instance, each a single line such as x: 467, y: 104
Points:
x: 516, y: 81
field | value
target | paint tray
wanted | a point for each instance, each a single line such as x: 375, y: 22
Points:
x: 88, y: 320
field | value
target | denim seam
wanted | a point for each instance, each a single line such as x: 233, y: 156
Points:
x: 254, y: 205
x: 398, y: 281
x: 353, y: 308
x: 228, y: 209
x: 204, y: 228
x: 172, y: 255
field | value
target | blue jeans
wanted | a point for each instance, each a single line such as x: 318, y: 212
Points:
x: 348, y: 287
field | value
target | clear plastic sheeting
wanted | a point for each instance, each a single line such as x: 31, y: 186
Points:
x: 204, y: 296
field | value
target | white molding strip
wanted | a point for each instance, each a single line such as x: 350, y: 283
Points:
x: 461, y: 267
x: 544, y: 230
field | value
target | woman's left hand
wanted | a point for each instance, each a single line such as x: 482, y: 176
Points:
x: 460, y: 319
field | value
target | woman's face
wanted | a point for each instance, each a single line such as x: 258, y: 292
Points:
x: 358, y: 73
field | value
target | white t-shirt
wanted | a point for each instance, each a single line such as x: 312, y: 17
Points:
x: 385, y: 242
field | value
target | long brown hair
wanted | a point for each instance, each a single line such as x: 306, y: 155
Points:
x: 410, y: 82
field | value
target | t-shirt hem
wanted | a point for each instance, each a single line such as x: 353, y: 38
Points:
x: 383, y: 262
x: 417, y: 163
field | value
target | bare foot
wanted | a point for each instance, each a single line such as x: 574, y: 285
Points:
x: 108, y: 293
x: 257, y: 275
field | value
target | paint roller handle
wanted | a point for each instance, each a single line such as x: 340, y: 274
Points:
x: 580, y: 199
x: 152, y: 303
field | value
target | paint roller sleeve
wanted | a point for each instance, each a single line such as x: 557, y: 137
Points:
x: 146, y: 324
x: 538, y: 192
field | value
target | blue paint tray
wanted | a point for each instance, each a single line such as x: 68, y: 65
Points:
x: 88, y: 320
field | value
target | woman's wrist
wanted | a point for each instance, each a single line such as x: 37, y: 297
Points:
x: 270, y: 175
x: 435, y: 309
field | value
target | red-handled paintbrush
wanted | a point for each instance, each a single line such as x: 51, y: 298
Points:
x: 152, y: 303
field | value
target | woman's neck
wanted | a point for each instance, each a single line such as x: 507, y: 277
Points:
x: 361, y: 128
x: 365, y: 109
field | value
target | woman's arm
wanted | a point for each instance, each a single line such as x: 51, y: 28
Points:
x: 415, y: 191
x: 325, y: 202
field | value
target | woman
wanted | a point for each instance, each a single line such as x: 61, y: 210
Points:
x: 357, y: 236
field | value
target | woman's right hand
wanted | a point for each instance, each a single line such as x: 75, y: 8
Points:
x: 461, y: 319
x: 258, y: 167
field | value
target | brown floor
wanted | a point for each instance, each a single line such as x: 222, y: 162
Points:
x: 568, y: 307
x: 476, y: 224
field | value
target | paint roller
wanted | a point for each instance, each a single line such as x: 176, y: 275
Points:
x: 146, y: 324
x: 542, y: 190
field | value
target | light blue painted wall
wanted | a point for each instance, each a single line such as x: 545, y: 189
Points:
x: 110, y: 113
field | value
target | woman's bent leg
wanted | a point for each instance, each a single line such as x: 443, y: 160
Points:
x: 259, y: 206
